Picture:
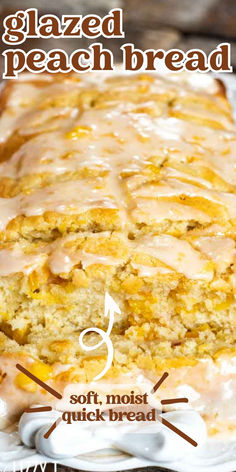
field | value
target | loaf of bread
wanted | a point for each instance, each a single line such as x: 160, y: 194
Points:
x: 123, y: 184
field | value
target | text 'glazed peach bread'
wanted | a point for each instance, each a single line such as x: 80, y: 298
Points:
x: 123, y: 184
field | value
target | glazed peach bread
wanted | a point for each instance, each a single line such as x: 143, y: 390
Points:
x: 123, y: 184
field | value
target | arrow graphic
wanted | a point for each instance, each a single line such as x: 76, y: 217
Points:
x: 111, y: 308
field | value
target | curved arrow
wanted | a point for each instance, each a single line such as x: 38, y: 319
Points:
x: 110, y: 307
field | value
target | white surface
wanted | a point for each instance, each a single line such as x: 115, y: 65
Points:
x: 211, y: 457
x: 151, y: 441
x: 230, y: 82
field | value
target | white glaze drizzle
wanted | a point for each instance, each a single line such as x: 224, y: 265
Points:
x: 120, y: 140
x: 175, y: 253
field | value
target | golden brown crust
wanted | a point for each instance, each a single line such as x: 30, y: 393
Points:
x: 222, y: 87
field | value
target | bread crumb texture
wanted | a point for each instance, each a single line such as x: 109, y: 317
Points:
x: 125, y: 184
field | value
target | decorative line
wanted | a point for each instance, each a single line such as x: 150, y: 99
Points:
x: 174, y: 400
x: 51, y: 429
x: 160, y: 381
x: 38, y: 409
x: 39, y: 382
x: 177, y: 431
x: 169, y: 402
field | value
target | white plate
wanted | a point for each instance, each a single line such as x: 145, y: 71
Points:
x: 214, y: 456
x: 230, y: 82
